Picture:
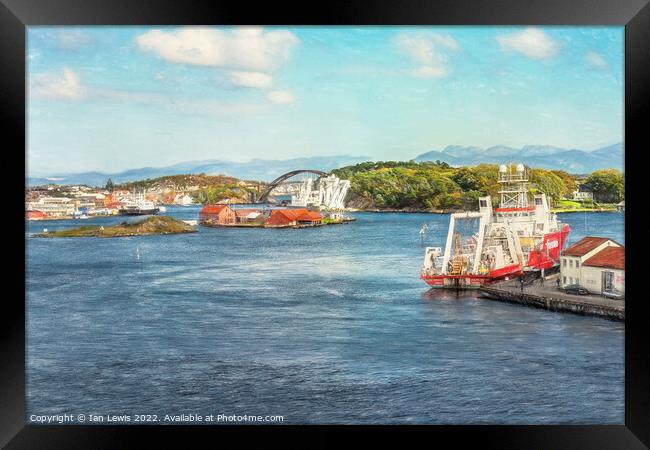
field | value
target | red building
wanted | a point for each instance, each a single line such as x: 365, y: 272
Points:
x: 293, y: 217
x: 217, y: 215
x: 34, y: 215
x: 252, y: 216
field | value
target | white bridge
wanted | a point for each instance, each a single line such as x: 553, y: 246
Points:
x: 315, y: 189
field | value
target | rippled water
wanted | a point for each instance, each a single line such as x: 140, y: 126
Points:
x: 324, y: 325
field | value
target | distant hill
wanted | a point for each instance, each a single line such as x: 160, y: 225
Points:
x: 255, y: 169
x: 543, y: 156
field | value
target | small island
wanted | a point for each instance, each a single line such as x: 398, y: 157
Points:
x: 149, y: 226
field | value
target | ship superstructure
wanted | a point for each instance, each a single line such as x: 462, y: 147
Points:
x: 138, y: 205
x: 488, y: 245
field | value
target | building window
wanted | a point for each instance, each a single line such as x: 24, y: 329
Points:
x: 564, y: 262
x: 570, y: 280
x: 577, y: 264
x: 570, y: 263
x: 564, y: 280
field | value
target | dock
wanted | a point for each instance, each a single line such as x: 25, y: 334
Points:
x: 548, y: 296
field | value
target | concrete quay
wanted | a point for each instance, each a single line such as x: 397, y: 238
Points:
x: 546, y: 295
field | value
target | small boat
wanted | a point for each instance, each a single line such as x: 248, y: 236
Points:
x: 80, y: 214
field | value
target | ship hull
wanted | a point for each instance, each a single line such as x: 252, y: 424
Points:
x: 549, y: 254
x: 138, y: 212
x: 471, y: 281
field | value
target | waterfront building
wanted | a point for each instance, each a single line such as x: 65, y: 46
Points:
x: 217, y: 215
x: 292, y: 218
x: 596, y: 263
x: 249, y: 216
x: 53, y: 206
x: 605, y: 271
x: 621, y: 206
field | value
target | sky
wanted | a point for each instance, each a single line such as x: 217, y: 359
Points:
x: 114, y: 98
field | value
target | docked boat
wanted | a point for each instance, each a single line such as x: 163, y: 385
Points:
x: 489, y: 245
x: 137, y: 205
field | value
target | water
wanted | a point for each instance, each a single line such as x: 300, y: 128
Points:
x: 325, y: 325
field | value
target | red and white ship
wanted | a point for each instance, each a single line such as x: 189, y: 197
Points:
x: 488, y: 245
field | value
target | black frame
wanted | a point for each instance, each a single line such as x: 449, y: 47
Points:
x: 15, y: 15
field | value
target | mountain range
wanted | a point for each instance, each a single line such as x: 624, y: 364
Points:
x: 255, y: 169
x: 543, y: 156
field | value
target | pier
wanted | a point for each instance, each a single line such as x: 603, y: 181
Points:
x: 548, y: 296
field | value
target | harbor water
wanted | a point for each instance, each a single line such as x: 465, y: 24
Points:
x: 322, y: 325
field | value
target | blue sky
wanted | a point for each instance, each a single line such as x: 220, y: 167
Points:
x: 114, y: 98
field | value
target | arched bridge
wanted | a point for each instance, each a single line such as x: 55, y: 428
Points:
x: 275, y: 183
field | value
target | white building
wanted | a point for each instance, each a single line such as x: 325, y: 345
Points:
x: 596, y: 263
x: 578, y: 195
x: 53, y: 206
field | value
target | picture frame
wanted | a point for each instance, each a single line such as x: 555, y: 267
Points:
x: 16, y: 15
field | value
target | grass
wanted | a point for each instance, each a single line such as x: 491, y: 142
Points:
x: 149, y: 226
x: 330, y: 221
x: 574, y: 206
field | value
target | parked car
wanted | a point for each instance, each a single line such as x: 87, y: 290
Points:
x: 575, y: 289
x: 614, y: 293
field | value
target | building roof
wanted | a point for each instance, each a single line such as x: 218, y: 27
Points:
x: 291, y: 214
x: 212, y: 209
x: 610, y: 257
x: 584, y: 246
x: 312, y: 215
x: 245, y: 212
x: 298, y: 214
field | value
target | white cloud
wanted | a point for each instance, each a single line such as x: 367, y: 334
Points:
x: 430, y: 50
x: 250, y: 54
x: 531, y: 42
x: 595, y: 60
x: 257, y: 80
x: 247, y: 48
x: 281, y: 97
x: 66, y: 86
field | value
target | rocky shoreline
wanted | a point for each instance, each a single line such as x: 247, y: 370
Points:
x: 149, y: 226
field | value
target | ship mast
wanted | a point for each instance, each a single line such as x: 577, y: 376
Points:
x: 514, y: 186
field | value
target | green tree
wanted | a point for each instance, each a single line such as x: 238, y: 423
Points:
x: 548, y: 182
x: 109, y: 185
x: 607, y: 185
